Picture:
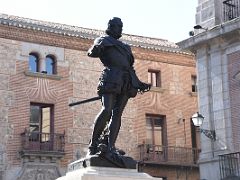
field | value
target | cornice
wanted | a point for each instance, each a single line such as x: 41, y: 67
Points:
x: 222, y: 32
x: 86, y: 33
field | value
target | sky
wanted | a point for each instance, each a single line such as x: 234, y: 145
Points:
x: 163, y: 19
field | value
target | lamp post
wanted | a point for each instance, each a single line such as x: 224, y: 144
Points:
x: 197, y: 119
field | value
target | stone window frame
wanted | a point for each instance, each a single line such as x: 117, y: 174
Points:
x: 158, y: 80
x: 36, y: 63
x: 153, y: 118
x: 43, y: 51
x: 42, y: 65
x: 53, y: 64
x: 40, y: 115
x: 154, y: 77
x: 41, y: 69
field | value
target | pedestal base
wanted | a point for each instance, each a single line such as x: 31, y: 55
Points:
x: 103, y: 161
x: 106, y: 173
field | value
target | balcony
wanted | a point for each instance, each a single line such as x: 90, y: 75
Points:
x: 169, y: 155
x: 229, y: 165
x: 231, y: 9
x: 42, y: 144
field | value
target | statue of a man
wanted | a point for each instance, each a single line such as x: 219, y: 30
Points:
x: 118, y: 83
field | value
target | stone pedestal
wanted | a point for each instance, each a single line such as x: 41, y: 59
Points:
x: 106, y: 173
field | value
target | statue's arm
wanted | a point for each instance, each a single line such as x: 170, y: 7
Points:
x: 142, y: 87
x: 96, y: 49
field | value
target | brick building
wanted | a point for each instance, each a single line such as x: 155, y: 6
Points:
x: 44, y: 67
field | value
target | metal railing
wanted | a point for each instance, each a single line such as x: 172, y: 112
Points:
x: 229, y: 165
x: 36, y: 141
x: 169, y: 155
x: 231, y: 9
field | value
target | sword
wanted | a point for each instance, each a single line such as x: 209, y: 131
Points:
x: 85, y: 101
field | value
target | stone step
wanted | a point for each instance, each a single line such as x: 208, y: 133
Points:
x: 106, y: 173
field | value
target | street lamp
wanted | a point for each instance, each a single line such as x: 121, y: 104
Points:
x: 197, y: 120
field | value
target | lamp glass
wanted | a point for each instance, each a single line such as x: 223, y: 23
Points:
x: 197, y: 119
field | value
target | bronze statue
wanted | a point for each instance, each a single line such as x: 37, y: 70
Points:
x: 118, y: 83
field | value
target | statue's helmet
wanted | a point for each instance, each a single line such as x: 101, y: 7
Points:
x: 115, y: 27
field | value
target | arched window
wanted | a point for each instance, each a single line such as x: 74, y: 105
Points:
x: 50, y: 63
x: 33, y: 62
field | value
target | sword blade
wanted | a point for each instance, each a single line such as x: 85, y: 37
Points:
x: 85, y: 101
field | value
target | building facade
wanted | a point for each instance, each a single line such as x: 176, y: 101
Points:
x: 44, y: 67
x: 217, y: 48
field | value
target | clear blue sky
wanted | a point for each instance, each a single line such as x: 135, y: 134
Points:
x: 164, y: 19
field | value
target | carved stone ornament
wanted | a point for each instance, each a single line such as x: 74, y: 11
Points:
x: 39, y: 172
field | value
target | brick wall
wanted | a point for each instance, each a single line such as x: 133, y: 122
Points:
x: 173, y: 99
x: 79, y: 77
x: 8, y: 51
x: 18, y: 90
x: 28, y: 89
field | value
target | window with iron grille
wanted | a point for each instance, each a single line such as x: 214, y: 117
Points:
x: 229, y: 165
x: 231, y: 9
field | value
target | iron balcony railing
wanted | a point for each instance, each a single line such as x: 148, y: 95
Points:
x: 36, y: 141
x: 171, y: 155
x: 231, y: 9
x: 229, y: 165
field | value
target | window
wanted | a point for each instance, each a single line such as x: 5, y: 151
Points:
x: 50, y: 64
x: 155, y: 130
x: 33, y: 62
x: 194, y: 83
x: 231, y: 9
x: 154, y: 78
x: 36, y: 64
x: 41, y: 117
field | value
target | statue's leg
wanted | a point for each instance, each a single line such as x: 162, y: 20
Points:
x: 115, y: 123
x: 100, y: 122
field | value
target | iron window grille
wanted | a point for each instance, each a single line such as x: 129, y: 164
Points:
x: 231, y: 9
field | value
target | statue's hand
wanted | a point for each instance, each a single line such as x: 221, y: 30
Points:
x: 144, y: 87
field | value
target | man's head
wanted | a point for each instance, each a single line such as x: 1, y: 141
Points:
x: 115, y: 27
